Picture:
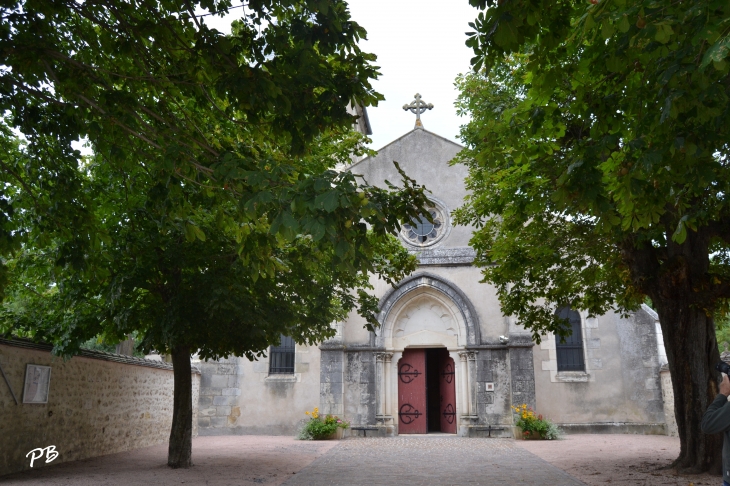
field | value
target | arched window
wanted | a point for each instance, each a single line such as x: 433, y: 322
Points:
x: 281, y: 357
x: 570, y: 348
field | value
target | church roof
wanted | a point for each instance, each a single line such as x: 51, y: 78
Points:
x: 405, y: 135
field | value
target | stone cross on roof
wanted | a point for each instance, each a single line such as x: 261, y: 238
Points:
x: 418, y: 106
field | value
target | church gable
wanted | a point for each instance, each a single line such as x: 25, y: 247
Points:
x: 425, y: 157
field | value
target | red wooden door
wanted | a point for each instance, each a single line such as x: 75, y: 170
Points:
x: 447, y: 388
x: 412, y: 392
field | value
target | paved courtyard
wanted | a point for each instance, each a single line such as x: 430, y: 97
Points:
x: 593, y: 460
x: 430, y: 460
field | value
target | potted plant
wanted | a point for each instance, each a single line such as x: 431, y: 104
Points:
x: 530, y: 425
x: 319, y: 428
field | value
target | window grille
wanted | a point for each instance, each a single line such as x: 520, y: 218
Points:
x: 570, y: 348
x: 281, y: 357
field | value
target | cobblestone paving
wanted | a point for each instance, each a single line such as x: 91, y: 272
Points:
x: 406, y: 461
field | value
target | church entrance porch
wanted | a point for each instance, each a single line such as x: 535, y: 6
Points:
x: 426, y: 392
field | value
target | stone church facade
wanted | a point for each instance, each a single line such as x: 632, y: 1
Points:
x: 444, y: 359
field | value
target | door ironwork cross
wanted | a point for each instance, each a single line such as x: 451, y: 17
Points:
x: 418, y: 106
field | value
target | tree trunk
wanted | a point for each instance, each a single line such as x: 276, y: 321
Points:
x: 689, y: 339
x: 181, y: 436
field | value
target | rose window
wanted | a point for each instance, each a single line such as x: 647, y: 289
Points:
x: 422, y: 232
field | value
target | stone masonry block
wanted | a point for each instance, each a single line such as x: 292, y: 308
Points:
x: 650, y: 362
x: 218, y: 422
x: 484, y: 371
x: 207, y: 412
x: 332, y: 389
x: 485, y: 397
x: 218, y: 381
x: 226, y: 369
x: 223, y: 411
x: 594, y: 343
x: 551, y: 365
x: 366, y: 375
x: 224, y: 401
x: 231, y: 392
x: 522, y: 375
x: 333, y: 377
x: 595, y: 363
x: 205, y: 401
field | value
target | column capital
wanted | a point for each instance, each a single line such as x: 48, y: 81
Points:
x: 463, y: 355
x: 472, y: 355
x: 380, y: 356
x: 387, y: 357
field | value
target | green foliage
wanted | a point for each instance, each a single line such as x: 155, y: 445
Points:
x: 168, y: 264
x: 598, y: 140
x: 210, y: 214
x: 527, y: 420
x: 150, y: 86
x: 99, y: 344
x: 317, y: 428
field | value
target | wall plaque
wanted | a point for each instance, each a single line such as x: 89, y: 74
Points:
x: 37, y: 383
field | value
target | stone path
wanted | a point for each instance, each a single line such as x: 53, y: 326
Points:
x: 430, y: 460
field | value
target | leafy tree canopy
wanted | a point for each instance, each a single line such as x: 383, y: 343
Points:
x: 147, y: 82
x: 598, y: 157
x: 167, y: 264
x: 600, y: 127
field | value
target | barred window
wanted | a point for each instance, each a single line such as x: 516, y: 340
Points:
x: 281, y: 357
x: 570, y: 348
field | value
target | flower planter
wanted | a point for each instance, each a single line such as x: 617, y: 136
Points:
x: 519, y: 435
x: 336, y: 435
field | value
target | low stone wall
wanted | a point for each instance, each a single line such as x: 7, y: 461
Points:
x: 98, y: 403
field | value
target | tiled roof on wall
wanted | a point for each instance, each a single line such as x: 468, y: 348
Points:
x: 88, y: 353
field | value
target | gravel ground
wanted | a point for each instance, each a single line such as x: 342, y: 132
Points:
x: 220, y: 461
x: 628, y: 460
x: 596, y: 460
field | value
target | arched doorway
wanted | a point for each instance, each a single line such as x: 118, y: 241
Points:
x: 427, y: 313
x: 426, y: 392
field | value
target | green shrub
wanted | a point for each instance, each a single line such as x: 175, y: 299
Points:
x: 317, y: 428
x: 529, y: 422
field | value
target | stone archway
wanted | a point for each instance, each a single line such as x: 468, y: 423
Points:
x: 444, y: 294
x: 425, y: 311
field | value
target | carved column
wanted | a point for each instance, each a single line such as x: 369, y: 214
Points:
x: 464, y: 383
x: 472, y: 365
x: 387, y: 364
x: 380, y: 383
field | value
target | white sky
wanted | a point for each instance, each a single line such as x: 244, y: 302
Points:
x: 420, y: 49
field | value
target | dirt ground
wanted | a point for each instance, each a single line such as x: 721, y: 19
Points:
x: 220, y: 461
x: 597, y: 460
x: 626, y: 460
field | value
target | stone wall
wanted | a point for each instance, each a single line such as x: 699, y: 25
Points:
x: 98, y: 404
x: 240, y: 397
x: 620, y: 390
x: 359, y: 387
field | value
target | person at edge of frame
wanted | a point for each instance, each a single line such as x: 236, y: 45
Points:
x: 716, y: 420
